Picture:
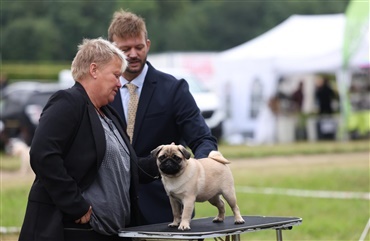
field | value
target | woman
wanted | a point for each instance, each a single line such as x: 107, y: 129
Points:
x: 86, y: 171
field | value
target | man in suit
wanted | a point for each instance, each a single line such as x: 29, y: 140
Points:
x: 166, y: 110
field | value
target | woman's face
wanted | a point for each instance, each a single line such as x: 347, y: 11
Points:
x: 107, y: 81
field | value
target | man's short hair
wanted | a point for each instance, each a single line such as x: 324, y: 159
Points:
x: 126, y: 25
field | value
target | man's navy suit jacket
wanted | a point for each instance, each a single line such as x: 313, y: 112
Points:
x: 166, y: 113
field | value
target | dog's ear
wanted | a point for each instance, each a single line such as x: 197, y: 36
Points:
x: 184, y: 151
x: 156, y: 151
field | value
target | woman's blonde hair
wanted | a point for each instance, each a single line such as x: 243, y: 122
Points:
x: 99, y: 51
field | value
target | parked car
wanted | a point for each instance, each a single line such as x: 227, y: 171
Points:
x: 21, y: 104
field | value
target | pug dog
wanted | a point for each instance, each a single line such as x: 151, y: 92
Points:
x: 188, y: 180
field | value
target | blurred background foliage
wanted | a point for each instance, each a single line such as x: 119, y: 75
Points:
x: 39, y: 31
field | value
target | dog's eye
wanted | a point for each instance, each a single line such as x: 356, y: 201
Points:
x: 161, y: 158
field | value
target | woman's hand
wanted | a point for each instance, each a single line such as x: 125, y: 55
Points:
x: 85, y: 218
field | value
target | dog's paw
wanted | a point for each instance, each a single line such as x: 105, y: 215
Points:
x: 173, y: 225
x: 184, y: 226
x: 218, y: 220
x: 239, y: 221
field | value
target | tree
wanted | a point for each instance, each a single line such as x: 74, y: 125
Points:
x: 78, y: 20
x: 30, y: 39
x: 51, y: 30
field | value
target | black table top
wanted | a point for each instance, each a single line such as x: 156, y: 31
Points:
x: 205, y: 228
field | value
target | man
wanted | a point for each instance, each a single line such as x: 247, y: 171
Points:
x: 166, y: 111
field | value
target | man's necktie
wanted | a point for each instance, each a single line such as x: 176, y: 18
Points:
x: 131, y: 112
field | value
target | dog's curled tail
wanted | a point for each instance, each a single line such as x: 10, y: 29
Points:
x: 217, y: 156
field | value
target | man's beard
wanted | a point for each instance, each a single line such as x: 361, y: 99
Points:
x: 135, y: 71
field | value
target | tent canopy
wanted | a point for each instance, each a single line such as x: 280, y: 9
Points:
x: 302, y: 43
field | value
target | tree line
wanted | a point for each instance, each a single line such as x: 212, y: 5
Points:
x: 51, y: 30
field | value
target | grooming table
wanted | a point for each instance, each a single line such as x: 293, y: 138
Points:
x: 204, y: 228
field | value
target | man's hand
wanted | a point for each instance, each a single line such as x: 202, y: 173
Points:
x: 85, y: 218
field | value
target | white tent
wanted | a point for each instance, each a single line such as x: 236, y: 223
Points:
x: 301, y: 44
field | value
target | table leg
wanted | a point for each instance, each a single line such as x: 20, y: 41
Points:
x: 236, y: 237
x: 279, y: 235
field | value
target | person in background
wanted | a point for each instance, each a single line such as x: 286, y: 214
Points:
x: 325, y: 96
x: 166, y: 110
x: 87, y: 173
x: 326, y: 124
x: 297, y: 108
x: 297, y: 98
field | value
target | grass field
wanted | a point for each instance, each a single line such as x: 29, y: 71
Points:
x: 323, y: 218
x: 339, y: 167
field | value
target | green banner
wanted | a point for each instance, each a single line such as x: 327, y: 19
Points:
x: 357, y: 25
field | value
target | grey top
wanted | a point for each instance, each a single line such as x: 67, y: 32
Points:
x: 109, y: 193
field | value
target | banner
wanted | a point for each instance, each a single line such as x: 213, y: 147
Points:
x: 357, y: 25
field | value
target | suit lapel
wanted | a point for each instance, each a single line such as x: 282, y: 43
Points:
x: 96, y: 126
x: 98, y: 133
x: 150, y: 83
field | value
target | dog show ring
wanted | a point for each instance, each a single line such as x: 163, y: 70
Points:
x: 204, y: 228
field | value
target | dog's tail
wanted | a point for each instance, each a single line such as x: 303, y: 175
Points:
x: 217, y: 156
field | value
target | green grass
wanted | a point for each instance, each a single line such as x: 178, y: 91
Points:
x: 41, y: 71
x: 8, y: 163
x: 353, y: 176
x: 13, y: 205
x: 305, y: 148
x: 323, y: 218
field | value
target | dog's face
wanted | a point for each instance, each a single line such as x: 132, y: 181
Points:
x: 171, y: 159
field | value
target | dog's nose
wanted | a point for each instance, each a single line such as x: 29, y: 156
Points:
x: 169, y: 161
x: 170, y: 166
